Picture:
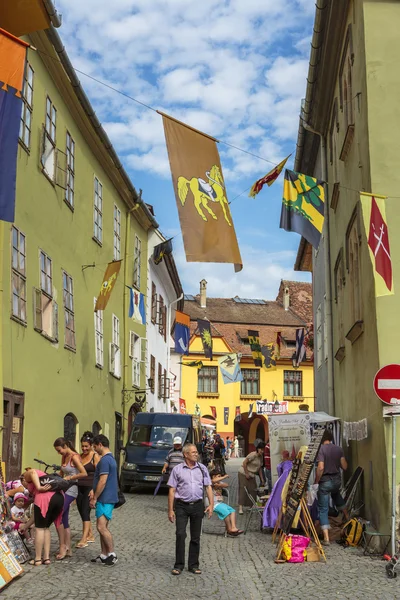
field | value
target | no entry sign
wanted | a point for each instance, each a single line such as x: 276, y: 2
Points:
x: 387, y: 384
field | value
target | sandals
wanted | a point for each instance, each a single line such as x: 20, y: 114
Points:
x: 81, y: 545
x: 46, y: 562
x: 195, y: 571
x: 68, y: 554
x: 36, y: 563
x: 176, y: 571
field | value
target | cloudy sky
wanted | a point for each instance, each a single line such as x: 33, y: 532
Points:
x: 235, y: 69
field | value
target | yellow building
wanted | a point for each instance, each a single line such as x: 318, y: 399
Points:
x: 284, y: 388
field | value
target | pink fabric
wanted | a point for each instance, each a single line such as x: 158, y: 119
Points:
x: 42, y: 499
x: 299, y: 544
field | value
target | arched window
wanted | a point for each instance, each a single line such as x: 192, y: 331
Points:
x: 70, y: 422
x: 96, y: 428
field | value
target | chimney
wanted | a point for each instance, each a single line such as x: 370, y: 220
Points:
x: 286, y: 298
x: 203, y: 293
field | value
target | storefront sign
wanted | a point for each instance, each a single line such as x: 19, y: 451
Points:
x: 287, y: 432
x: 266, y: 407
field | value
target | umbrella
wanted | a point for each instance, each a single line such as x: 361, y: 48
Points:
x: 158, y: 486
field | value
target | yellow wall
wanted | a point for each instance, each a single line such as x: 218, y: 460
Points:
x: 228, y: 395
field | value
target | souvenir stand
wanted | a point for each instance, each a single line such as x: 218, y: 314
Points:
x: 12, y: 549
x: 296, y: 496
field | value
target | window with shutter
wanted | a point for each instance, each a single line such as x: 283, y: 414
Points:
x: 152, y: 373
x: 115, y: 349
x: 159, y: 381
x: 69, y: 314
x: 153, y: 303
x: 99, y: 338
x: 18, y: 269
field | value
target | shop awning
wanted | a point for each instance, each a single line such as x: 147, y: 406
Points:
x: 208, y: 423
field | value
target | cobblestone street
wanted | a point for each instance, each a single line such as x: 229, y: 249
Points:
x: 241, y: 568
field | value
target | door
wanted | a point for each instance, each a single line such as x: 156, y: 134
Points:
x: 118, y: 436
x: 13, y: 433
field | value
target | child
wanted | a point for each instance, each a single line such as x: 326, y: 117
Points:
x: 224, y: 511
x: 18, y: 512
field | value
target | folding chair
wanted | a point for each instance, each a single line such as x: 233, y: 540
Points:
x: 259, y: 510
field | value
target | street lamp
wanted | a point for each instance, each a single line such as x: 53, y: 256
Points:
x: 276, y: 405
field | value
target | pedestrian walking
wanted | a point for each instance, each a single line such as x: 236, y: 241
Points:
x: 267, y: 466
x: 235, y: 447
x: 71, y: 470
x: 218, y: 459
x: 330, y: 460
x: 89, y: 460
x: 174, y: 456
x: 103, y: 497
x: 186, y: 503
x: 228, y: 447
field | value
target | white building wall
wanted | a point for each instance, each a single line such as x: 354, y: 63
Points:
x: 156, y: 345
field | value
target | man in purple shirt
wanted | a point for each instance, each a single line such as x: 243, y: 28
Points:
x: 185, y: 502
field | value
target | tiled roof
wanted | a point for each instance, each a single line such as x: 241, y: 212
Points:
x: 300, y: 298
x: 226, y: 310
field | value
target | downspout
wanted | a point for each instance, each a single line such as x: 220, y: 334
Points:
x: 169, y: 344
x: 327, y: 269
x: 124, y: 318
x: 55, y: 18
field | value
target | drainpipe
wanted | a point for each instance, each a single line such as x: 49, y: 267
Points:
x: 55, y: 18
x: 169, y: 344
x: 327, y: 266
x: 124, y: 319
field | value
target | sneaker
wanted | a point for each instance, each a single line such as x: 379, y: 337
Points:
x: 110, y: 560
x: 98, y: 559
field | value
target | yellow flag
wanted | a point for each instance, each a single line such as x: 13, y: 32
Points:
x: 109, y: 280
x: 268, y: 179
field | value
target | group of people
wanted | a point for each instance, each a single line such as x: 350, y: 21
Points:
x: 93, y: 477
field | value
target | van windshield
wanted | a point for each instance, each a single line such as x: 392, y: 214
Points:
x: 157, y: 436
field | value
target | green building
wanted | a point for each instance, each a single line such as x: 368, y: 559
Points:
x: 67, y: 369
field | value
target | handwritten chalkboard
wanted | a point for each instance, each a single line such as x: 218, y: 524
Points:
x: 301, y: 475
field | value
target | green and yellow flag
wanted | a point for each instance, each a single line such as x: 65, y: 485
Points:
x: 303, y: 206
x: 109, y: 280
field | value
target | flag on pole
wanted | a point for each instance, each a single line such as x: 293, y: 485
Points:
x: 161, y: 250
x: 182, y: 406
x: 204, y: 213
x: 374, y: 214
x: 278, y: 345
x: 268, y: 352
x: 303, y: 206
x: 213, y: 412
x: 206, y: 337
x: 12, y: 66
x: 268, y: 179
x: 300, y: 353
x: 230, y: 368
x: 254, y: 341
x: 182, y: 332
x: 109, y: 280
x: 137, y: 310
x: 238, y: 416
x: 194, y: 363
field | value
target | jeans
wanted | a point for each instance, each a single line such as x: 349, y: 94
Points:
x: 268, y: 478
x: 329, y: 487
x: 184, y: 513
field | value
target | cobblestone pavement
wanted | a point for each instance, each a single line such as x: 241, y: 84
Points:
x: 235, y: 568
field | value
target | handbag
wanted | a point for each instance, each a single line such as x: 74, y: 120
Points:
x: 57, y: 483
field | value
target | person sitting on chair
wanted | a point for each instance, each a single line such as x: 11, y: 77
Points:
x: 224, y: 512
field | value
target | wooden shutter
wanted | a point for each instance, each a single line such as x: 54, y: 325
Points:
x: 37, y: 309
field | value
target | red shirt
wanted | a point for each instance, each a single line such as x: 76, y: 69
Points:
x: 267, y: 457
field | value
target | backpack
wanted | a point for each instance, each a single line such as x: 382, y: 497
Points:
x: 58, y: 484
x: 352, y: 533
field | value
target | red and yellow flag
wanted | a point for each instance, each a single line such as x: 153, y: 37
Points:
x: 268, y: 179
x: 109, y: 280
x: 376, y: 229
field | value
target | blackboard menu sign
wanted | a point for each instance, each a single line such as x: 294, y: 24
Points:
x: 299, y: 485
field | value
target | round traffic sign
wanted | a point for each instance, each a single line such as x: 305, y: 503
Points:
x: 387, y: 384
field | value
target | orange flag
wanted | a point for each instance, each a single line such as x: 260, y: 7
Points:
x: 12, y: 61
x: 204, y: 213
x: 268, y: 179
x: 109, y: 280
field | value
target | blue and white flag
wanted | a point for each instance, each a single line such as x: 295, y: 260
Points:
x: 137, y: 310
x: 182, y: 332
x: 230, y: 368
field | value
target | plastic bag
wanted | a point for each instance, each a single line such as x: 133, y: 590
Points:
x: 294, y: 548
x: 312, y: 494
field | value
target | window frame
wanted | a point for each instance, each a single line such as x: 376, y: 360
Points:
x: 70, y: 188
x: 137, y: 260
x: 289, y: 378
x: 248, y: 381
x: 153, y: 303
x: 353, y: 265
x: 99, y: 336
x: 27, y: 108
x: 152, y: 373
x: 69, y: 310
x: 43, y: 273
x: 207, y: 374
x: 135, y: 353
x: 18, y: 271
x: 51, y: 131
x: 97, y: 211
x: 159, y: 379
x: 346, y: 79
x: 117, y: 233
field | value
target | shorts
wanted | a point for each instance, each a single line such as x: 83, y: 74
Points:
x: 223, y: 510
x: 53, y: 512
x: 104, y: 510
